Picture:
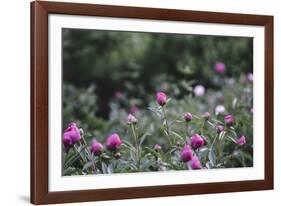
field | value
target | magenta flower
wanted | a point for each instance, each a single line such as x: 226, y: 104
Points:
x: 187, y: 116
x: 195, y: 163
x: 219, y: 67
x: 186, y: 153
x: 71, y: 135
x: 161, y: 98
x: 67, y: 141
x: 113, y: 142
x: 131, y: 119
x: 157, y: 147
x: 219, y: 128
x: 229, y: 120
x: 197, y: 141
x: 206, y: 115
x: 241, y: 141
x: 199, y: 90
x: 96, y: 148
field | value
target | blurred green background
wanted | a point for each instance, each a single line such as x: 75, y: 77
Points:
x: 136, y: 64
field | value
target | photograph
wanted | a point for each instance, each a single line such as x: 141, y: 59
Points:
x: 155, y: 102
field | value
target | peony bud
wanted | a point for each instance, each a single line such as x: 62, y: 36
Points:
x: 206, y: 115
x: 157, y: 147
x: 161, y: 98
x: 187, y: 116
x: 195, y: 163
x: 71, y: 135
x: 241, y: 141
x: 186, y: 153
x: 113, y: 142
x: 67, y: 141
x: 220, y: 67
x: 197, y: 141
x: 96, y: 148
x: 131, y: 119
x: 219, y: 128
x: 229, y: 120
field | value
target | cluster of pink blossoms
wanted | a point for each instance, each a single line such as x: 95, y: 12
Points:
x: 72, y: 135
x: 197, y: 141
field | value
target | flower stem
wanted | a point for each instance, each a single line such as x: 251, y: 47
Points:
x: 137, y: 145
x: 202, y: 127
x: 167, y: 125
x: 186, y: 129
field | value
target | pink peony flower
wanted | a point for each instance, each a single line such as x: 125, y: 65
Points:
x: 161, y: 98
x: 195, y: 163
x: 67, y: 141
x: 186, y: 153
x: 219, y: 109
x: 131, y: 119
x: 71, y: 135
x: 229, y: 120
x: 113, y: 142
x: 241, y: 141
x: 157, y: 147
x: 197, y: 141
x: 96, y: 148
x: 219, y: 67
x: 219, y: 128
x: 199, y: 90
x: 187, y: 116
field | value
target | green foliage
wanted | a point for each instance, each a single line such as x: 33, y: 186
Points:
x: 171, y: 132
x: 108, y: 75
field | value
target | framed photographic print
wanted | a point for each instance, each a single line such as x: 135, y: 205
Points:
x: 131, y: 102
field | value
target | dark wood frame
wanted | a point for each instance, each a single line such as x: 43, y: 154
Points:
x: 39, y: 102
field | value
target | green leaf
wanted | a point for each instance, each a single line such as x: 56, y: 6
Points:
x: 143, y: 137
x: 104, y: 168
x: 178, y: 136
x: 133, y: 156
x: 71, y: 160
x: 212, y: 157
x: 88, y: 164
x: 70, y: 171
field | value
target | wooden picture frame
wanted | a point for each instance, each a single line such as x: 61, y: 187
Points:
x: 39, y: 102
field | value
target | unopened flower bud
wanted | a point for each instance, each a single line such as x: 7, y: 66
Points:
x: 187, y: 116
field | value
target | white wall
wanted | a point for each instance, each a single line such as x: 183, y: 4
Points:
x: 14, y: 101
